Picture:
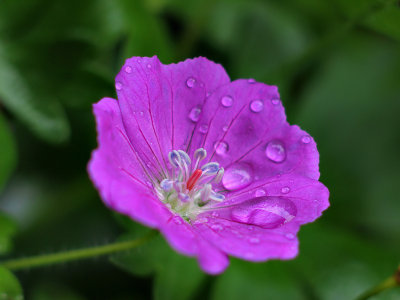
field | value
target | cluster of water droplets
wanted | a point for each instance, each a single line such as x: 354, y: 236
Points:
x: 188, y: 190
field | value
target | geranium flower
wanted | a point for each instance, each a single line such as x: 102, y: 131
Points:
x: 212, y: 164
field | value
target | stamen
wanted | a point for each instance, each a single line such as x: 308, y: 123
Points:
x: 185, y: 157
x: 188, y: 189
x: 166, y: 184
x: 193, y: 179
x: 205, y: 193
x: 210, y: 168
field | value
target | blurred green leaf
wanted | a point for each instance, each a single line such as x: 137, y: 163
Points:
x: 7, y: 152
x: 7, y: 229
x: 340, y: 265
x: 50, y: 291
x: 244, y: 280
x: 177, y: 277
x: 146, y: 33
x: 10, y: 288
x: 386, y: 21
x: 46, y: 119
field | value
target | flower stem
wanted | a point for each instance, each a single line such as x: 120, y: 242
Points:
x: 61, y: 257
x: 389, y: 283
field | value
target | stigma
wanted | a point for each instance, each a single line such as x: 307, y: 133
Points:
x: 188, y: 188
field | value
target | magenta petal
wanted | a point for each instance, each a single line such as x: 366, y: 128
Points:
x: 251, y: 129
x: 249, y: 242
x: 160, y: 104
x: 116, y: 172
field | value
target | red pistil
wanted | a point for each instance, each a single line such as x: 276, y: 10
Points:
x: 193, y: 179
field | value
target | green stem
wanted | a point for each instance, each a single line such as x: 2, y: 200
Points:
x: 389, y: 283
x: 48, y: 259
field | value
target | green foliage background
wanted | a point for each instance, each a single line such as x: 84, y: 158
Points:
x: 337, y: 64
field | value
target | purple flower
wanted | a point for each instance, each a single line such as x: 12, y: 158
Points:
x: 211, y: 163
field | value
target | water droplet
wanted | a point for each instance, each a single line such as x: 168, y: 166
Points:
x: 260, y: 193
x: 177, y: 220
x: 217, y: 227
x: 225, y: 128
x: 267, y: 212
x: 275, y: 151
x: 221, y: 148
x: 203, y: 128
x: 215, y: 214
x: 285, y: 190
x: 254, y: 240
x: 190, y: 82
x: 237, y: 177
x: 290, y: 236
x: 118, y: 85
x: 251, y: 80
x: 194, y: 114
x: 256, y: 106
x: 251, y: 228
x: 149, y: 66
x: 306, y: 139
x: 275, y: 101
x: 128, y: 69
x: 227, y: 101
x: 202, y: 220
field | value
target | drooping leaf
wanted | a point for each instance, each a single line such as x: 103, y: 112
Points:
x: 7, y: 152
x: 10, y: 289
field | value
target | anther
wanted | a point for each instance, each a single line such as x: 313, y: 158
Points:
x: 210, y: 168
x: 166, y: 184
x: 174, y: 158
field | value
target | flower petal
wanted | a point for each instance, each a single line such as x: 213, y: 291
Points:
x: 116, y: 171
x: 249, y: 242
x: 160, y: 104
x: 246, y: 127
x: 258, y: 228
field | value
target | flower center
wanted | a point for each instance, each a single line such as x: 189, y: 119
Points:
x: 188, y: 188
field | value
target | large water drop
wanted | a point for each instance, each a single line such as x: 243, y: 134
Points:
x: 237, y: 177
x: 275, y: 151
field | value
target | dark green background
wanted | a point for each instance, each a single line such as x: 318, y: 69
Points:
x: 337, y: 65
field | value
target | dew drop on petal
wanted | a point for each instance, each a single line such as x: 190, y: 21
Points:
x: 260, y: 193
x: 267, y: 212
x: 217, y: 227
x: 194, y: 114
x: 190, y: 82
x: 177, y: 220
x: 203, y: 128
x: 202, y: 220
x: 221, y: 148
x: 254, y: 240
x: 225, y: 128
x: 275, y: 151
x: 128, y: 69
x: 227, y: 101
x: 285, y: 190
x: 118, y: 85
x: 251, y: 80
x: 275, y: 101
x: 149, y: 66
x: 290, y: 236
x: 256, y: 106
x: 306, y: 139
x: 237, y: 177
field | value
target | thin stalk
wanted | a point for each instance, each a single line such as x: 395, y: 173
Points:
x: 61, y: 257
x: 391, y: 282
